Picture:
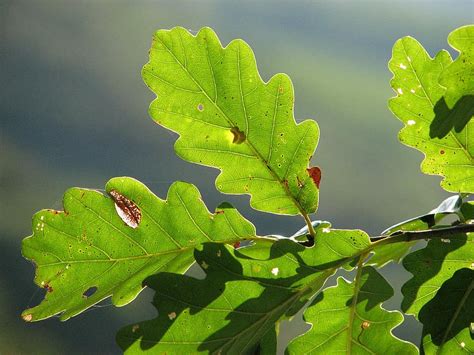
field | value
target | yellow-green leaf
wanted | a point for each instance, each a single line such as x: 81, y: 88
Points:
x: 88, y: 252
x: 430, y: 126
x: 228, y: 118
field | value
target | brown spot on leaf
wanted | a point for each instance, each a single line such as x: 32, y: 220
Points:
x: 126, y: 209
x: 441, y: 151
x: 365, y: 325
x: 315, y: 174
x: 48, y: 288
x: 27, y: 317
x: 239, y: 136
x: 236, y: 245
x: 220, y: 212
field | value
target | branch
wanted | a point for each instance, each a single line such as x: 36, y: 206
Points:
x: 408, y: 236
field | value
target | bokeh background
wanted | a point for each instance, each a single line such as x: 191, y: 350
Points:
x: 73, y: 112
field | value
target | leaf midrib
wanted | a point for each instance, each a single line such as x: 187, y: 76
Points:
x: 455, y: 315
x: 468, y: 155
x: 291, y: 300
x: 352, y: 310
x: 229, y: 121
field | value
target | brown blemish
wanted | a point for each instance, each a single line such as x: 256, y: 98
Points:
x: 315, y: 174
x: 126, y: 209
x: 27, y: 317
x: 239, y: 136
x: 365, y: 325
x: 441, y: 152
x: 55, y: 211
x: 220, y: 212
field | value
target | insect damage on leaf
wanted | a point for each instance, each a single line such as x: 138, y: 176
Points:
x: 126, y: 209
x: 239, y: 136
x: 315, y: 174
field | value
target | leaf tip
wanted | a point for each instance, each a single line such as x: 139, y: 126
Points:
x: 27, y: 317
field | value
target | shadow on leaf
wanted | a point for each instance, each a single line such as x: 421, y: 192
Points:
x: 180, y: 294
x: 447, y: 119
x: 425, y: 264
x: 217, y: 314
x: 451, y: 310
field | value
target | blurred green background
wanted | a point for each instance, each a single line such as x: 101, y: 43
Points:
x: 74, y: 113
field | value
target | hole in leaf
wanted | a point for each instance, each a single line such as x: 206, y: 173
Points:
x: 89, y: 292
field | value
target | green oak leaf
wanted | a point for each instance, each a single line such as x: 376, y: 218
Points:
x: 348, y: 318
x: 228, y: 118
x: 268, y: 344
x: 432, y: 266
x: 448, y: 317
x: 467, y: 210
x: 387, y: 253
x: 458, y: 78
x: 87, y: 253
x: 245, y: 293
x: 419, y: 104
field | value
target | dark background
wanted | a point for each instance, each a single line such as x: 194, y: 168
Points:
x: 73, y: 112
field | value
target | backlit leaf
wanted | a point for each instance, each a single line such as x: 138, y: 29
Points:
x: 348, y: 319
x: 447, y: 319
x: 432, y: 266
x: 458, y: 77
x: 393, y: 252
x: 245, y: 292
x: 430, y: 126
x: 228, y: 118
x: 88, y: 252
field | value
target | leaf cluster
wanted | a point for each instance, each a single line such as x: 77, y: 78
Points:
x: 115, y: 243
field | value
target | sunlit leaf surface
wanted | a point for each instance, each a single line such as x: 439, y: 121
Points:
x: 432, y: 266
x: 348, y: 319
x: 88, y: 252
x: 244, y: 293
x: 458, y: 77
x: 228, y: 118
x: 443, y: 134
